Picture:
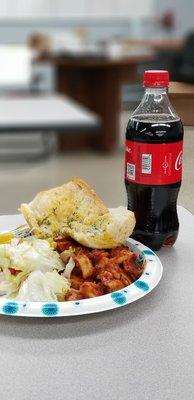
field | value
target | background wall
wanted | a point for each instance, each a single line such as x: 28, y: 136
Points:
x: 75, y: 8
x: 137, y: 18
x: 103, y: 19
x: 183, y: 11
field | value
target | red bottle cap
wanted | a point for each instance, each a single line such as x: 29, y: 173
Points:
x: 156, y: 79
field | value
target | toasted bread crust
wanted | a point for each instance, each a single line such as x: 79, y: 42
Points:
x: 91, y: 193
x: 30, y: 218
x: 74, y: 209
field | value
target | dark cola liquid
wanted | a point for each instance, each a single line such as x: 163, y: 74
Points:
x: 155, y: 207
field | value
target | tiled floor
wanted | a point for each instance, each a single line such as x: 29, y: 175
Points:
x: 19, y: 182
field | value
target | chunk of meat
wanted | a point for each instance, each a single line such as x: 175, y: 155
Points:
x: 97, y: 255
x: 65, y: 244
x: 113, y: 285
x: 91, y: 289
x: 73, y: 295
x: 85, y: 265
x: 76, y: 281
x: 134, y: 271
x: 119, y: 250
x: 126, y: 279
x: 110, y: 271
x: 66, y: 254
x: 114, y: 272
x: 103, y: 262
x: 82, y: 250
x: 122, y: 255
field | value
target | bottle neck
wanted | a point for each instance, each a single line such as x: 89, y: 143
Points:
x: 156, y: 96
x: 154, y: 105
x: 154, y: 91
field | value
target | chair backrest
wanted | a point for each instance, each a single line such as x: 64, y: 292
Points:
x: 15, y: 67
x: 188, y: 51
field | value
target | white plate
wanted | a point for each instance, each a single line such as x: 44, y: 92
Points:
x: 144, y: 285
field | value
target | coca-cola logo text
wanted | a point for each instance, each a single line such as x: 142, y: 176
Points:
x: 178, y: 162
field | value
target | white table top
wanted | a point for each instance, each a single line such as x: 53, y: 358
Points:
x: 143, y: 351
x: 44, y: 112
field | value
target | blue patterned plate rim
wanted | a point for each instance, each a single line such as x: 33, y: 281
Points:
x: 140, y: 288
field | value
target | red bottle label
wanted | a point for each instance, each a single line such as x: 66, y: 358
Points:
x: 155, y: 164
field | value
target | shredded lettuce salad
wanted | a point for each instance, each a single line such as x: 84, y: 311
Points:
x: 29, y: 271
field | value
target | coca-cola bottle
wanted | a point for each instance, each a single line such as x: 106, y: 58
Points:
x: 153, y: 164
